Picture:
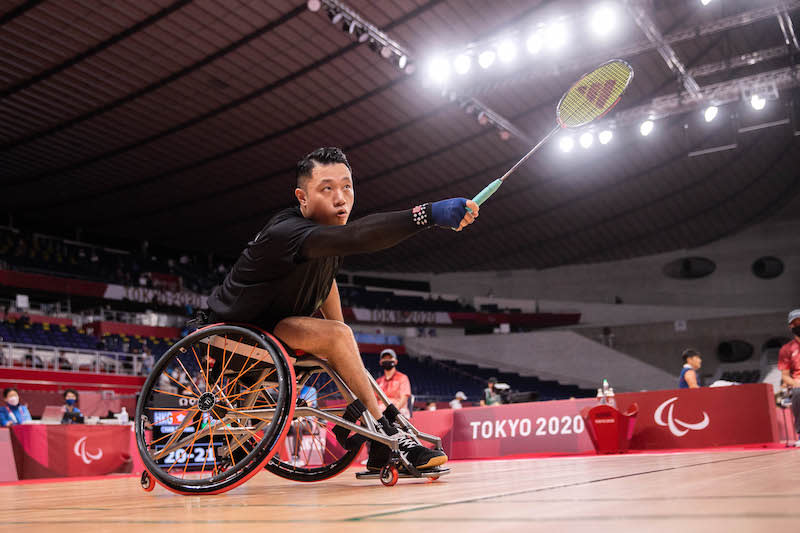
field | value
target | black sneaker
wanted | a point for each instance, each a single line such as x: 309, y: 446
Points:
x: 418, y: 455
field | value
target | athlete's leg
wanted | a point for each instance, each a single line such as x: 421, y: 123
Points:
x: 335, y: 342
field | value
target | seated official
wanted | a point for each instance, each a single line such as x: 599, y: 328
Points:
x: 689, y: 378
x: 72, y: 415
x: 12, y: 412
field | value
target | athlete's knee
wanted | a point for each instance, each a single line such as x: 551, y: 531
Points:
x: 342, y: 334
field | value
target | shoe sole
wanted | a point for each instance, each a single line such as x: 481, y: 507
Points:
x: 439, y: 460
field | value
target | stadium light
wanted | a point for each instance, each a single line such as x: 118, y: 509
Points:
x: 483, y: 118
x: 534, y: 43
x: 646, y: 128
x: 402, y: 61
x: 506, y: 51
x: 462, y: 64
x: 604, y: 19
x: 758, y: 102
x: 705, y: 2
x: 586, y: 139
x: 486, y: 59
x: 605, y: 136
x: 710, y: 113
x: 439, y: 70
x: 314, y: 5
x: 556, y: 35
x: 566, y: 144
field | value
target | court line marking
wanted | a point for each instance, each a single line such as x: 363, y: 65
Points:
x: 543, y: 489
x: 492, y: 519
x: 380, y: 516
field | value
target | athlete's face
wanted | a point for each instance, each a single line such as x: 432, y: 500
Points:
x: 328, y: 195
x: 695, y: 362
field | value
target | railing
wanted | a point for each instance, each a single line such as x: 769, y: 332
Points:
x: 37, y: 356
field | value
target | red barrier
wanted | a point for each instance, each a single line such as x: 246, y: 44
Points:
x: 670, y: 419
x: 121, y: 328
x: 40, y: 319
x: 8, y: 467
x: 52, y: 380
x: 55, y: 284
x: 74, y: 450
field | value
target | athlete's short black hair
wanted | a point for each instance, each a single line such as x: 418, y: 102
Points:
x: 689, y: 352
x: 321, y: 156
x: 73, y: 391
x: 9, y: 390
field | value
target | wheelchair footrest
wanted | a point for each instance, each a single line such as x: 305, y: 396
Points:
x: 430, y: 473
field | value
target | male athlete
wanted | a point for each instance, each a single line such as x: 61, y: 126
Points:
x: 287, y: 272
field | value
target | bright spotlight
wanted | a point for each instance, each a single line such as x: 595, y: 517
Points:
x: 710, y: 113
x: 313, y: 5
x: 566, y: 144
x: 603, y: 21
x: 605, y: 136
x: 534, y: 43
x: 646, y: 127
x: 486, y: 59
x: 402, y: 61
x: 439, y: 70
x: 556, y: 35
x: 506, y: 51
x: 758, y: 102
x: 705, y: 2
x: 586, y: 140
x: 462, y: 64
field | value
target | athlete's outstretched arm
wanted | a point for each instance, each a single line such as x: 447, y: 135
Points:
x: 384, y: 230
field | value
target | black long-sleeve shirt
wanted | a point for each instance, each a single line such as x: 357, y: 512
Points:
x: 290, y: 266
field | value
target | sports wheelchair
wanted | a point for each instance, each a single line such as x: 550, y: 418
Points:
x: 228, y: 400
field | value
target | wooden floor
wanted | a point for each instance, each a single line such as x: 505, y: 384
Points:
x: 728, y: 491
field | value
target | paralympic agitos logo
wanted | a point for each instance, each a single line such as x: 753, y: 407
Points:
x: 86, y: 457
x: 673, y: 423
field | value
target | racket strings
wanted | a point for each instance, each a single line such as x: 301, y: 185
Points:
x: 594, y: 94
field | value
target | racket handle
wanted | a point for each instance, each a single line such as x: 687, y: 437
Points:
x: 486, y: 192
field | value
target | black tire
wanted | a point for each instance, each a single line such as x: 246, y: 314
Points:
x: 330, y: 458
x: 240, y: 383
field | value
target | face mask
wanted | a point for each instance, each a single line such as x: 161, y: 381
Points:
x: 388, y: 365
x: 71, y: 401
x: 13, y: 401
x: 796, y: 331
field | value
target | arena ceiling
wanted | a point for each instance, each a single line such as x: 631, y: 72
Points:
x: 180, y: 122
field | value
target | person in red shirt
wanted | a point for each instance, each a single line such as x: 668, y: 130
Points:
x: 394, y: 383
x: 789, y: 365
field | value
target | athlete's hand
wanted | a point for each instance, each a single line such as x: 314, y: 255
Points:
x: 454, y: 213
x: 469, y: 216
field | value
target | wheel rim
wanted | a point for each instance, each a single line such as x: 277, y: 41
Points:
x: 311, y: 451
x: 213, y: 409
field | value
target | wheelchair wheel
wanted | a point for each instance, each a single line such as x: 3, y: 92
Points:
x: 214, y: 409
x: 310, y: 451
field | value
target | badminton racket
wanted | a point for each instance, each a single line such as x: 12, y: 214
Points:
x: 590, y: 98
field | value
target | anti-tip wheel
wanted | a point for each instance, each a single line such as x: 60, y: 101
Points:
x: 389, y: 475
x: 147, y: 482
x: 434, y: 478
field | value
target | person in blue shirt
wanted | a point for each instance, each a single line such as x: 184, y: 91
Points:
x: 12, y: 412
x: 72, y: 415
x: 692, y: 360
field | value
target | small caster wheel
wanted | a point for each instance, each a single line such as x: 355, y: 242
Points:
x: 389, y: 475
x: 434, y: 478
x: 147, y: 482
